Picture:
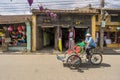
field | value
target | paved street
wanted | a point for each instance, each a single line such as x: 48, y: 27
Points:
x: 47, y: 67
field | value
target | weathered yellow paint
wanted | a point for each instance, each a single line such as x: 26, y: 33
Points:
x: 113, y: 26
x: 113, y: 45
x: 33, y: 32
x: 97, y: 28
x: 108, y: 21
x: 93, y: 27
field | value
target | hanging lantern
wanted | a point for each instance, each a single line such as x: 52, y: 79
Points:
x: 19, y: 28
x: 41, y: 8
x: 30, y: 2
x: 5, y: 28
x: 51, y: 14
x: 48, y: 12
x: 10, y: 28
x: 55, y: 16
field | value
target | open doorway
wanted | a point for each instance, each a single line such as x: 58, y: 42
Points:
x: 48, y: 38
x: 79, y: 35
x: 64, y: 37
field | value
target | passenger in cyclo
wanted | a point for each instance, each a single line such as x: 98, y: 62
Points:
x: 77, y: 48
x: 90, y: 44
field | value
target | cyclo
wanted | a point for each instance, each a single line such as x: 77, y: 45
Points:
x: 77, y: 55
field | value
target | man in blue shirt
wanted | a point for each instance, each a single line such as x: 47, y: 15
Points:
x: 90, y: 44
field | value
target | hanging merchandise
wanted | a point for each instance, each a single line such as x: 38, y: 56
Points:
x: 19, y: 28
x: 5, y: 28
x: 23, y: 33
x: 10, y: 28
x: 60, y: 39
x: 1, y: 33
x: 23, y: 28
x: 20, y: 31
x: 60, y: 44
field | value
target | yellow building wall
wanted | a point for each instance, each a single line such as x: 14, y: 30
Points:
x: 33, y: 32
x: 94, y: 27
x: 113, y: 26
x: 113, y: 45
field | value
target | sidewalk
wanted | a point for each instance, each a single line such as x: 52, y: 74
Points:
x: 111, y: 51
x: 53, y: 52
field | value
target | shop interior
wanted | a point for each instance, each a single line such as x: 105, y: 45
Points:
x: 79, y: 34
x: 113, y: 37
x: 15, y: 34
x: 48, y: 37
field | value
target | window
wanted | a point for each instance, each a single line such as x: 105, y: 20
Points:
x: 115, y: 18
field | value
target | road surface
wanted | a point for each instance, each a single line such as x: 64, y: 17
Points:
x: 47, y: 67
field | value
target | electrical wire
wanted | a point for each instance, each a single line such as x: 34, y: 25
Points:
x: 24, y: 6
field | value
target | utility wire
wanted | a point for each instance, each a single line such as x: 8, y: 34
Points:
x: 25, y: 6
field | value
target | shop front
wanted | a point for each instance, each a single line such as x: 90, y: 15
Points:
x: 46, y: 30
x: 111, y: 36
x: 15, y: 36
x: 111, y: 30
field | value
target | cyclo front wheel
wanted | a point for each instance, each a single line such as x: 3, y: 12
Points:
x: 74, y: 61
x: 96, y: 58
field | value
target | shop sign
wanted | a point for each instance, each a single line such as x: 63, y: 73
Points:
x: 46, y: 20
x: 103, y: 24
x: 7, y: 39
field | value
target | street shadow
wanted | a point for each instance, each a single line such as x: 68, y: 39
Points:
x: 86, y: 66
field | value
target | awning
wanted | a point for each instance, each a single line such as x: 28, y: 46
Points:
x: 81, y: 26
x: 52, y: 26
x: 47, y: 26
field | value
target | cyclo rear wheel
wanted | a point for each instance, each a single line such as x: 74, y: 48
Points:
x: 74, y: 61
x: 96, y: 58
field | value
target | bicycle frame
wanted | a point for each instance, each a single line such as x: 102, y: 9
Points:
x: 82, y: 54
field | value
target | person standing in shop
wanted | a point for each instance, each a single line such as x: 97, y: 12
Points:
x: 71, y: 38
